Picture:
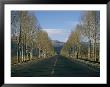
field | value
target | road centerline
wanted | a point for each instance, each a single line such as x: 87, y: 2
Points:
x: 52, y: 72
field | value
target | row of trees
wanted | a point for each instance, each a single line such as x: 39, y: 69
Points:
x: 28, y: 40
x: 83, y: 42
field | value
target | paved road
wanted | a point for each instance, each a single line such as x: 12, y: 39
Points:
x: 57, y: 66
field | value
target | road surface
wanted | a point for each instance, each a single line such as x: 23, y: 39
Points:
x: 57, y: 66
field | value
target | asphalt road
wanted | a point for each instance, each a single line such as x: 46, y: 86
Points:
x: 57, y: 66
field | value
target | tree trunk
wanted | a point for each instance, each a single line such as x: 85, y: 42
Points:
x: 89, y: 51
x: 31, y: 54
x: 95, y: 55
x: 18, y: 53
x: 77, y: 52
x: 39, y: 52
x: 22, y: 54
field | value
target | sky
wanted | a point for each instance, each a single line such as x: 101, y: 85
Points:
x: 58, y: 24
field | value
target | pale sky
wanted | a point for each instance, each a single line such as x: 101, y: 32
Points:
x: 58, y: 24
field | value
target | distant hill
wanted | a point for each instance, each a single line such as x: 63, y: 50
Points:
x: 57, y: 45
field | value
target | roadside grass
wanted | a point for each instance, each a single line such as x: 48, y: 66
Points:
x: 87, y: 62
